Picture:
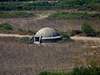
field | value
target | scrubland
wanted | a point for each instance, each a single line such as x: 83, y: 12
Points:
x: 29, y: 59
x: 18, y: 58
x: 61, y: 25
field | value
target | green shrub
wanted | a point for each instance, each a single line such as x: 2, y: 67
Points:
x: 92, y: 69
x: 49, y: 73
x: 23, y: 32
x: 60, y: 4
x: 87, y: 29
x: 80, y: 4
x: 6, y: 26
x: 15, y: 14
x: 26, y: 40
x: 65, y: 37
x: 74, y: 32
x: 67, y: 15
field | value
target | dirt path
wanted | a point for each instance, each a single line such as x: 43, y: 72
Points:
x: 85, y: 38
x: 41, y: 16
x: 14, y: 35
x: 73, y: 37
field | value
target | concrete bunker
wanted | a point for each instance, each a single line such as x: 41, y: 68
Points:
x: 46, y: 35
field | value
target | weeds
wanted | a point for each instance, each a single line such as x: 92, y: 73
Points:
x: 45, y: 5
x: 15, y: 14
x: 92, y: 69
x: 67, y: 15
x: 6, y: 26
x: 26, y: 40
x: 88, y: 30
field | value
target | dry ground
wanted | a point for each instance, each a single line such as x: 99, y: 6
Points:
x: 95, y: 39
x: 14, y: 35
x: 30, y: 59
x: 40, y: 20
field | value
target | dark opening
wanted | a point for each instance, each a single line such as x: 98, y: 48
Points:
x: 36, y: 38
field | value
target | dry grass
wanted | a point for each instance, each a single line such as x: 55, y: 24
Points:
x: 62, y: 25
x: 30, y: 59
x: 36, y: 22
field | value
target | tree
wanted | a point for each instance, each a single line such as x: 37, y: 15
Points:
x: 87, y: 29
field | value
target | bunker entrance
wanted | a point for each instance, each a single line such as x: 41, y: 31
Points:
x: 36, y: 38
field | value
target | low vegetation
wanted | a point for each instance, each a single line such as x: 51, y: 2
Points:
x: 42, y: 5
x: 88, y: 30
x: 5, y: 26
x: 8, y: 28
x: 80, y: 4
x: 74, y: 32
x: 26, y: 40
x: 27, y: 6
x: 65, y: 37
x: 67, y: 15
x: 15, y: 14
x: 92, y: 69
x: 21, y: 58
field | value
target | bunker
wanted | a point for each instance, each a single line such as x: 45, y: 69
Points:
x: 46, y: 35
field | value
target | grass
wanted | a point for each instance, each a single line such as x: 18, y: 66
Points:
x: 65, y: 37
x: 20, y: 31
x: 25, y: 40
x: 15, y: 14
x: 33, y: 59
x: 8, y: 28
x: 92, y: 69
x: 67, y: 15
x: 93, y: 5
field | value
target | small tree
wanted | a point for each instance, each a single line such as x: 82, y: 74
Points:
x: 88, y: 30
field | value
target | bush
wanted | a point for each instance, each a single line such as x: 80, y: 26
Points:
x: 60, y: 4
x: 49, y: 73
x: 15, y: 14
x: 92, y: 69
x: 74, y: 32
x: 87, y: 29
x: 67, y: 15
x: 6, y: 26
x: 23, y: 32
x: 65, y: 37
x: 26, y: 40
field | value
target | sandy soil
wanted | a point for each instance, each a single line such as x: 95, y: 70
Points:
x: 13, y: 35
x: 73, y: 37
x: 85, y: 38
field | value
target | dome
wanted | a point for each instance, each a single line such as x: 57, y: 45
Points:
x: 47, y: 32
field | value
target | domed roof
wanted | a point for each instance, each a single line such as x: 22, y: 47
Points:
x: 47, y: 32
